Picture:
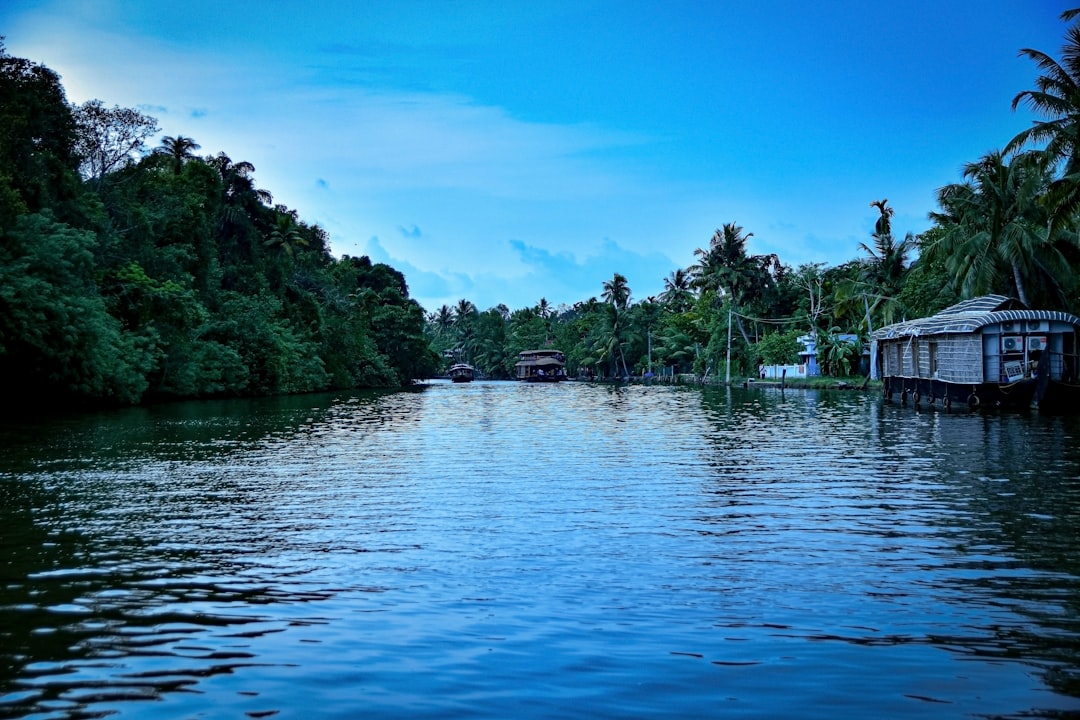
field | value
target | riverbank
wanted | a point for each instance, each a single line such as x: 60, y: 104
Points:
x: 851, y: 382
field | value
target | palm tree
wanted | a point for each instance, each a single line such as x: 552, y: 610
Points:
x: 876, y: 289
x: 241, y: 197
x: 543, y: 308
x: 883, y: 225
x: 1056, y: 98
x: 463, y: 311
x: 995, y: 233
x: 617, y: 296
x: 179, y: 148
x: 677, y: 290
x: 609, y: 340
x: 616, y: 292
x: 285, y: 235
x: 727, y: 270
x: 444, y: 319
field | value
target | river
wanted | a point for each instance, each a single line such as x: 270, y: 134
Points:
x: 506, y: 550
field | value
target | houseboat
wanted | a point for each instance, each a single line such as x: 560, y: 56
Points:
x: 989, y: 351
x: 541, y: 366
x: 462, y: 373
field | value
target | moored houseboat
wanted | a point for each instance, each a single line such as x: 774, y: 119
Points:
x: 462, y: 373
x: 990, y: 351
x: 541, y: 366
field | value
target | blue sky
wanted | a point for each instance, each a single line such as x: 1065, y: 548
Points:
x: 507, y: 151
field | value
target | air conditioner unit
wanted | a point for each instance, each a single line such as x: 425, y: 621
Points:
x: 1012, y: 344
x: 1036, y: 342
x: 1010, y: 326
x: 1036, y: 326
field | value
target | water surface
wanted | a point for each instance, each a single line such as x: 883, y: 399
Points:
x: 508, y: 550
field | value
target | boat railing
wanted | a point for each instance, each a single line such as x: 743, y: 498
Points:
x: 1061, y: 366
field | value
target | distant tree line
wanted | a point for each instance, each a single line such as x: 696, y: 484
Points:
x: 130, y: 274
x: 1010, y: 226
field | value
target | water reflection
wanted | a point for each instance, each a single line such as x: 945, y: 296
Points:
x: 571, y: 550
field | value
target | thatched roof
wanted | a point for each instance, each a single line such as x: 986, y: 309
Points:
x: 970, y: 316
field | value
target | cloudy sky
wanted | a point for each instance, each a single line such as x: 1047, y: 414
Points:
x: 503, y: 151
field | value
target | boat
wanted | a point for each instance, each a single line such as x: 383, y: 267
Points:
x: 541, y: 366
x: 462, y: 373
x: 990, y: 351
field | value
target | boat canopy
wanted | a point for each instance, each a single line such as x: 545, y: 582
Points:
x: 971, y: 315
x: 542, y: 362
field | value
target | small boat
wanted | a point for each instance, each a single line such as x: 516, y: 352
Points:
x: 541, y: 366
x: 990, y: 351
x: 462, y: 372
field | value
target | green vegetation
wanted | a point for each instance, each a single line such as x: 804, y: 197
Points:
x: 130, y: 274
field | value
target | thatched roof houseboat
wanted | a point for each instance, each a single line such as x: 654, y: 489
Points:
x: 541, y: 366
x: 989, y: 351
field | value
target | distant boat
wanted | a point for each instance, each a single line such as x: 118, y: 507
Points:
x: 541, y: 366
x: 462, y: 373
x: 990, y: 351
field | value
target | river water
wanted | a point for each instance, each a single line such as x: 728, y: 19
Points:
x: 506, y: 550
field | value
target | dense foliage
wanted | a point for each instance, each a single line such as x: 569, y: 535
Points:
x: 128, y: 275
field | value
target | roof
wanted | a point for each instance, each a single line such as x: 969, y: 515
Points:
x: 970, y: 316
x: 539, y: 362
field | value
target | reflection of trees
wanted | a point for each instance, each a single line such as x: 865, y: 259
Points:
x: 963, y: 527
x: 1008, y: 487
x: 126, y: 536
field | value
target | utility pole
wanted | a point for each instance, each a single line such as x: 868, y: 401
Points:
x: 729, y: 346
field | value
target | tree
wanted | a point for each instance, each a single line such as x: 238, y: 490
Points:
x: 616, y: 292
x: 444, y: 319
x: 995, y: 235
x: 109, y: 138
x: 240, y: 197
x: 38, y: 164
x: 179, y: 148
x: 678, y: 290
x: 1056, y: 98
x: 725, y: 269
x: 778, y: 348
x: 880, y: 280
x: 285, y: 235
x: 543, y: 308
x: 610, y: 345
x: 57, y: 339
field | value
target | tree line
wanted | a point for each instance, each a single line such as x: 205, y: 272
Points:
x: 131, y: 274
x: 1008, y: 226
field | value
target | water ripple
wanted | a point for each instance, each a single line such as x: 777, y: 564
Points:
x: 577, y: 550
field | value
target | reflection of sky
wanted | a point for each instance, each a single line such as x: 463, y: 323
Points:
x: 509, y: 546
x: 505, y: 152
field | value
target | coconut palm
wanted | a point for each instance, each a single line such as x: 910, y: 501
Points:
x: 616, y: 292
x: 678, y: 290
x: 1056, y: 99
x: 285, y: 235
x: 876, y: 288
x: 444, y: 319
x: 464, y: 311
x: 543, y: 308
x: 617, y: 296
x: 240, y: 196
x: 995, y: 234
x: 179, y: 148
x: 723, y: 265
x: 725, y: 269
